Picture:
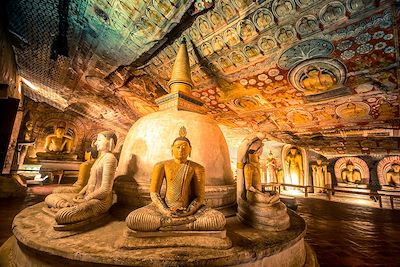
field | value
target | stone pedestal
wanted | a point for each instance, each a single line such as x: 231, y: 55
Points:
x: 356, y: 191
x: 40, y: 245
x: 164, y: 239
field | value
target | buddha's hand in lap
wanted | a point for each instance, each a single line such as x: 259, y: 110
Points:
x: 175, y: 221
x: 65, y: 204
x: 180, y: 212
x: 79, y: 199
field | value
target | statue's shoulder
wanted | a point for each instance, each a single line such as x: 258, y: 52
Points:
x: 196, y: 165
x: 163, y: 163
x: 110, y: 156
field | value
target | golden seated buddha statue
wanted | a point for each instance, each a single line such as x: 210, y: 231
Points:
x: 58, y: 146
x: 350, y: 174
x: 393, y: 175
x: 182, y: 209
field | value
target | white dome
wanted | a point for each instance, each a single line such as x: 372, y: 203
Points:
x: 149, y: 141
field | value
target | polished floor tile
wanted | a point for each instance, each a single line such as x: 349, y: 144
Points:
x: 341, y: 234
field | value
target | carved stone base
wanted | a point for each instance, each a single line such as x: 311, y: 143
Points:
x: 55, y: 156
x: 352, y: 185
x: 36, y: 243
x: 133, y: 196
x: 352, y: 192
x: 79, y: 226
x: 89, y: 223
x: 164, y: 239
x: 264, y: 217
x: 391, y: 189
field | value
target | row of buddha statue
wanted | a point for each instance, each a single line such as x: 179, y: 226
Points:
x: 182, y: 206
x: 293, y: 173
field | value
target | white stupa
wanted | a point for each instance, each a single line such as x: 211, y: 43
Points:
x: 150, y: 138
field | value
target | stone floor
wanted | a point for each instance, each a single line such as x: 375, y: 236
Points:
x: 341, y: 234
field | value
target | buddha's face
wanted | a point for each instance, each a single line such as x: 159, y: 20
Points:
x: 29, y: 125
x: 350, y: 167
x: 181, y: 150
x: 319, y: 162
x: 396, y: 167
x: 60, y: 132
x: 293, y: 151
x: 102, y: 143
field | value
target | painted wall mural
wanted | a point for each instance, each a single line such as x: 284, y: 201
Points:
x: 311, y: 73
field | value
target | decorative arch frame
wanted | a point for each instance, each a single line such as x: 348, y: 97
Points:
x: 359, y: 164
x: 285, y: 150
x: 384, y: 166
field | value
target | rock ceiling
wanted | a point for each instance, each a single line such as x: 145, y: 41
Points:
x: 319, y: 74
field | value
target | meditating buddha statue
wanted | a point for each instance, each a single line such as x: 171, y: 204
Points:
x: 393, y: 175
x: 97, y: 196
x: 57, y: 146
x: 83, y: 177
x: 350, y: 174
x: 261, y: 210
x: 182, y: 208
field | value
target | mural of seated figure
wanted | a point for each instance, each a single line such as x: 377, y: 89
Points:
x: 181, y: 210
x: 261, y: 210
x: 96, y: 197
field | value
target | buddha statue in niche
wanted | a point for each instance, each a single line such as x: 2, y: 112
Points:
x: 261, y: 210
x: 294, y: 163
x: 25, y: 142
x: 320, y: 175
x: 97, y: 196
x: 271, y: 169
x: 350, y: 174
x: 57, y: 146
x: 393, y: 175
x: 182, y: 208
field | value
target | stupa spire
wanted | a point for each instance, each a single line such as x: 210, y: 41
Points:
x: 181, y: 80
x: 180, y: 96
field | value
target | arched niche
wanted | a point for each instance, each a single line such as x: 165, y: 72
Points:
x: 384, y: 166
x: 286, y: 172
x: 359, y: 165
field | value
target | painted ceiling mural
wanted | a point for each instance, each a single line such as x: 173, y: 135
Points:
x: 321, y: 74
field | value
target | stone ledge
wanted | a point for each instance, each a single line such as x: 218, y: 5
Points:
x: 38, y: 242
